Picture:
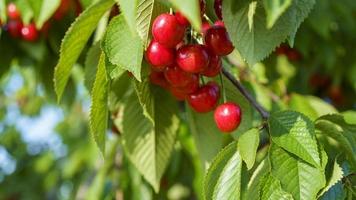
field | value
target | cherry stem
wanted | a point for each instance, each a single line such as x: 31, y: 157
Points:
x: 222, y: 87
x: 202, y: 80
x: 264, y: 114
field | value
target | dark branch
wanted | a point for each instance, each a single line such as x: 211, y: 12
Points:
x: 246, y: 94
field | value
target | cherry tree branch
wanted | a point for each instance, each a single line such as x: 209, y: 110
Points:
x: 264, y: 113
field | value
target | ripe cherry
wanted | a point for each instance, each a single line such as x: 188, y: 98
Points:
x: 159, y: 56
x: 158, y: 78
x: 14, y: 28
x: 167, y: 30
x: 205, y: 27
x: 179, y: 94
x: 219, y: 23
x: 181, y: 19
x: 29, y: 32
x: 282, y: 49
x: 228, y: 117
x: 12, y: 11
x: 192, y: 86
x: 218, y: 8
x: 205, y: 98
x: 214, y: 66
x: 63, y: 8
x: 177, y: 77
x: 218, y: 41
x: 193, y: 58
x: 293, y: 55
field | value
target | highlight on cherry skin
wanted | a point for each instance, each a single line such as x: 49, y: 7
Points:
x: 228, y: 117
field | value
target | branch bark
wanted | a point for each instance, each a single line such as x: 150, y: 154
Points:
x: 264, y: 114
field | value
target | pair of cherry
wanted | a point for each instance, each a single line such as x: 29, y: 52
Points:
x: 16, y: 28
x: 177, y: 66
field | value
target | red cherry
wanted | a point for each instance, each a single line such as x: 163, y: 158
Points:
x: 205, y: 27
x: 177, y: 77
x: 62, y: 9
x: 29, y: 32
x: 178, y: 94
x: 282, y: 50
x: 218, y: 8
x: 192, y: 86
x: 159, y: 56
x: 193, y: 58
x: 293, y: 55
x: 182, y: 19
x: 214, y: 67
x: 205, y: 98
x: 167, y: 30
x: 219, y: 23
x: 158, y: 78
x: 218, y: 41
x: 228, y: 117
x: 181, y: 93
x: 12, y: 11
x: 14, y: 27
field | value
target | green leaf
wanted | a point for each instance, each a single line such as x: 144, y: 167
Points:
x: 256, y: 43
x: 119, y: 88
x: 149, y: 145
x: 311, y: 106
x: 295, y: 133
x: 300, y: 9
x: 206, y: 134
x: 275, y: 9
x: 3, y: 15
x: 190, y: 9
x: 251, y: 14
x: 128, y: 9
x: 74, y: 41
x: 247, y: 144
x: 223, y: 179
x: 334, y: 126
x: 336, y: 192
x: 113, y: 70
x: 271, y: 189
x: 297, y: 177
x: 253, y: 187
x: 25, y: 9
x: 91, y: 63
x: 99, y: 108
x: 146, y: 98
x: 43, y: 10
x: 123, y: 47
x: 350, y: 117
x: 336, y: 176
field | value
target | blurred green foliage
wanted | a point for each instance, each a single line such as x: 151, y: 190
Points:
x: 318, y: 75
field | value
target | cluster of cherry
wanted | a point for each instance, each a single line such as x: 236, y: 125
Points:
x: 177, y: 66
x: 16, y: 28
x: 28, y: 32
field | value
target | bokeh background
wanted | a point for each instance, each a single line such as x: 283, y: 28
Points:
x: 46, y: 151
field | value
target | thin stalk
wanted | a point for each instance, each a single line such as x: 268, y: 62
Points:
x: 264, y: 114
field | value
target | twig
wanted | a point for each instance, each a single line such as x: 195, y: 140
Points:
x: 264, y: 114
